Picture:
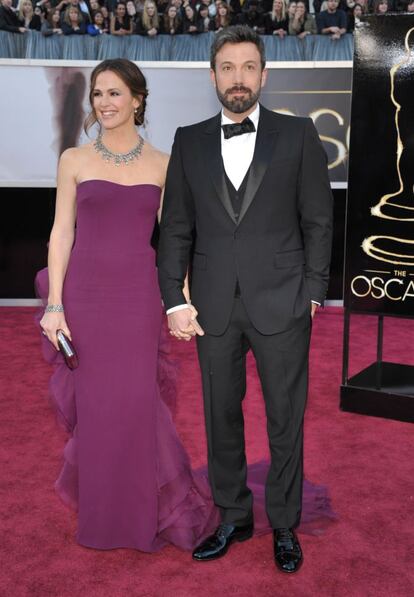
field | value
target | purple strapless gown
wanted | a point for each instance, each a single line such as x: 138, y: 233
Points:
x: 125, y: 469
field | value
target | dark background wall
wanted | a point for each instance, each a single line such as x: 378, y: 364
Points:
x: 25, y: 225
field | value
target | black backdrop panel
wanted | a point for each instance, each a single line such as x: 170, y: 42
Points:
x: 379, y: 269
x: 25, y: 226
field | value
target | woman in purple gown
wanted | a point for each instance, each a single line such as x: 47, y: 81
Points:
x: 125, y: 470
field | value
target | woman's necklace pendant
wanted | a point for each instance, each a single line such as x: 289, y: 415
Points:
x: 118, y: 158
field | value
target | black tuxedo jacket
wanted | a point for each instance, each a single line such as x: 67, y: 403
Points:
x: 278, y: 250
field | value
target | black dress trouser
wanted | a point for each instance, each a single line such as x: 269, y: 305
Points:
x: 282, y: 364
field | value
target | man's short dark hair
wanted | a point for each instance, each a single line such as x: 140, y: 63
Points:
x: 236, y: 34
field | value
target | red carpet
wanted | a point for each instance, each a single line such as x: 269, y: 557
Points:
x: 366, y: 462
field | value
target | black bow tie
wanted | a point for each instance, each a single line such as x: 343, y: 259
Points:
x: 238, y: 128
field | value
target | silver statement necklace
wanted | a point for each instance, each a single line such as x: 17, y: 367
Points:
x: 118, y: 158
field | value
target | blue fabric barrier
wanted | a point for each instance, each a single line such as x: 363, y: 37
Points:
x: 287, y: 49
x: 12, y: 45
x: 322, y: 47
x: 163, y: 47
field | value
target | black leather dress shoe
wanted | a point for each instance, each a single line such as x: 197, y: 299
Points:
x: 288, y: 553
x: 217, y: 545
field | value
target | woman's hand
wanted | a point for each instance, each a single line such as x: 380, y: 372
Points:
x: 51, y: 323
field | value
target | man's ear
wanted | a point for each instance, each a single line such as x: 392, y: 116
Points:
x: 264, y: 77
x: 213, y: 77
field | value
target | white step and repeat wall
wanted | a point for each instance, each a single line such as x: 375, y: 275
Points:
x: 43, y: 105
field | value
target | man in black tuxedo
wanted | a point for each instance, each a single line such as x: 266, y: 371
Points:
x: 260, y: 217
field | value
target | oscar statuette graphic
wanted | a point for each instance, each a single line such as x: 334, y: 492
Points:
x: 398, y: 205
x: 379, y: 249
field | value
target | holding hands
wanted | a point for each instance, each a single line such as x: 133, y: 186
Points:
x: 183, y: 324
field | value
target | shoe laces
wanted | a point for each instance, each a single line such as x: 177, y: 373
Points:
x: 285, y: 536
x: 222, y: 530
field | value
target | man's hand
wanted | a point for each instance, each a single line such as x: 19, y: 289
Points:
x: 183, y: 324
x: 314, y: 306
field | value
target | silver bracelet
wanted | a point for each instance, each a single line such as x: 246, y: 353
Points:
x: 54, y: 309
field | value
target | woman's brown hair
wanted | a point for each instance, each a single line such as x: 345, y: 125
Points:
x: 133, y: 78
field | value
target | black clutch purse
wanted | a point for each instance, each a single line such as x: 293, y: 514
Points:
x: 67, y: 349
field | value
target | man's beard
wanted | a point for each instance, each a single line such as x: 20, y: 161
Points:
x: 238, y: 105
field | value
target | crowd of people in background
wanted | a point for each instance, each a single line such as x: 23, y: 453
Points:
x: 172, y: 17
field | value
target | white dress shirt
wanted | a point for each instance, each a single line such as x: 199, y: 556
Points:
x: 238, y: 151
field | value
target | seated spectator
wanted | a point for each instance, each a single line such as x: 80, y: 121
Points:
x: 191, y: 24
x: 51, y: 25
x: 252, y: 16
x: 291, y: 9
x: 27, y: 17
x: 354, y: 18
x: 179, y: 6
x: 139, y: 6
x: 222, y: 19
x: 132, y: 12
x: 380, y: 7
x: 303, y: 23
x: 321, y: 5
x: 106, y: 16
x: 121, y: 23
x: 204, y: 19
x: 94, y: 6
x: 410, y: 6
x: 332, y: 21
x: 73, y: 23
x: 98, y: 25
x: 277, y: 21
x: 9, y: 21
x: 84, y: 8
x: 171, y: 21
x: 149, y: 23
x: 79, y: 4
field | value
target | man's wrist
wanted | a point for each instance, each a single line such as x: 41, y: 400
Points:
x: 178, y: 308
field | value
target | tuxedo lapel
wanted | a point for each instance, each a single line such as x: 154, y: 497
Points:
x: 263, y: 153
x: 212, y: 150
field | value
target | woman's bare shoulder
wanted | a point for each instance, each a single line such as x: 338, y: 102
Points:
x: 157, y: 154
x: 158, y: 158
x: 72, y: 155
x: 73, y: 158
